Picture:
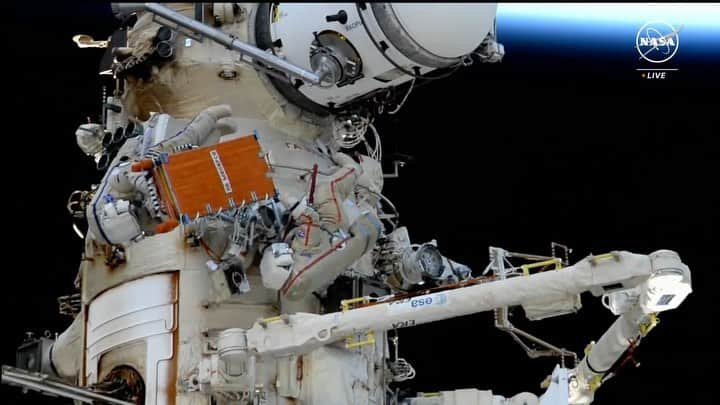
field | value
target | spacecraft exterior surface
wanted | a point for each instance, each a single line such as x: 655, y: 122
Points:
x: 243, y: 179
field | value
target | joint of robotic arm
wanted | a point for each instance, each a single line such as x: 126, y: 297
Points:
x: 665, y: 288
x: 668, y: 285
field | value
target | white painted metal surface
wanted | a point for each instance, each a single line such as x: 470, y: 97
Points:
x: 450, y: 30
x: 143, y: 310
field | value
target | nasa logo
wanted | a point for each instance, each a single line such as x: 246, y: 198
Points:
x: 657, y: 42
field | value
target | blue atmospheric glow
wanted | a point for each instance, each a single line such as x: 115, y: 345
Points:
x: 607, y: 29
x: 696, y: 14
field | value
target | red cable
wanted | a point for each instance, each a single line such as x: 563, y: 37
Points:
x: 332, y: 191
x: 314, y: 262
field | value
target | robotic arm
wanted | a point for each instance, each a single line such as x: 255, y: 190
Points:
x: 660, y: 279
x: 665, y: 289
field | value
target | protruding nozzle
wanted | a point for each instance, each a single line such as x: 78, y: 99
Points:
x: 164, y: 50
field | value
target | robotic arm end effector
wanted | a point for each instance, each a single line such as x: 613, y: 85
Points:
x: 669, y: 284
x: 665, y: 288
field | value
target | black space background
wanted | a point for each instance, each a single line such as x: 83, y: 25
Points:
x: 544, y: 147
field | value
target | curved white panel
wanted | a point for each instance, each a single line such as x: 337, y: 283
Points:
x: 139, y: 310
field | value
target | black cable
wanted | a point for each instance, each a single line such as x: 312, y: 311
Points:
x: 587, y: 361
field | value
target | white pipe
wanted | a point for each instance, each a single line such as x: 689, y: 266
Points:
x: 603, y: 354
x: 304, y: 332
x: 613, y: 343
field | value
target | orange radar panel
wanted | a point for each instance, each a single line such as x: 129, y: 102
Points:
x: 214, y: 177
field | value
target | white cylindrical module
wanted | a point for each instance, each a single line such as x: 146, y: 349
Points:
x: 669, y: 286
x: 455, y: 29
x: 362, y: 48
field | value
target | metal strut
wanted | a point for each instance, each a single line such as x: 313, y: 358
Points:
x: 498, y: 258
x: 231, y: 42
x: 43, y: 384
